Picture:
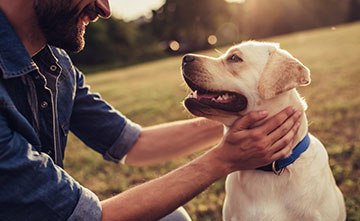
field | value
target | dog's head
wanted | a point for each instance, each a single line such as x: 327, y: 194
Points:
x: 244, y: 79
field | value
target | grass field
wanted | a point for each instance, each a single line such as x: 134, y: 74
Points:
x: 151, y: 93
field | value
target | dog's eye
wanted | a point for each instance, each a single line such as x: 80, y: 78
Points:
x: 235, y: 58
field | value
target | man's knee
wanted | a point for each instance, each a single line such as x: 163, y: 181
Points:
x: 178, y: 215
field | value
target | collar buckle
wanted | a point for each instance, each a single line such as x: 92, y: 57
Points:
x: 276, y: 172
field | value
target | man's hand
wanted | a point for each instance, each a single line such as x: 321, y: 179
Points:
x: 241, y: 148
x: 244, y: 148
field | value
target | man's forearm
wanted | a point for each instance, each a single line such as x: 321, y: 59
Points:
x: 240, y: 149
x: 172, y: 140
x: 159, y: 197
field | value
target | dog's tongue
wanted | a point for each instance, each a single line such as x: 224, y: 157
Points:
x: 207, y: 96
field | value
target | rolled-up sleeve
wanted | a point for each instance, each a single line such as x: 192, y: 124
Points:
x: 88, y: 207
x: 124, y: 142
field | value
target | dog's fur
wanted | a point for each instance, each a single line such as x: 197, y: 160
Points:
x: 267, y: 77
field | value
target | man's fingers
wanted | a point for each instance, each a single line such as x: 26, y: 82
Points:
x: 286, y: 139
x: 281, y: 148
x: 278, y: 119
x: 283, y: 152
x: 248, y: 120
x: 291, y: 124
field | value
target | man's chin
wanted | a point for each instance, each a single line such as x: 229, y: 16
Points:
x: 73, y: 48
x: 73, y: 44
x: 78, y: 47
x: 68, y: 36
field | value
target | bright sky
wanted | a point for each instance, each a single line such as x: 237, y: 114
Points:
x: 132, y: 9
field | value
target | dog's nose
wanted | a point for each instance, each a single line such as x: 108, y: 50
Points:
x: 188, y: 58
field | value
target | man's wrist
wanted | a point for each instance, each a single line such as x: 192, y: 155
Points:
x: 219, y: 168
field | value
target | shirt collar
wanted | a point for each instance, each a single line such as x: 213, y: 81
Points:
x: 14, y: 59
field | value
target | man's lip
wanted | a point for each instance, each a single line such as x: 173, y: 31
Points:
x: 85, y: 20
x: 89, y: 14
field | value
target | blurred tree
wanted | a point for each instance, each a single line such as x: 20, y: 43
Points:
x: 189, y: 22
x: 354, y: 13
x: 264, y: 18
x: 116, y: 42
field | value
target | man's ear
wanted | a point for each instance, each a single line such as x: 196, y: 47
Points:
x: 282, y: 72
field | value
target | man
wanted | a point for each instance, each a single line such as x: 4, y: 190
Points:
x: 43, y: 96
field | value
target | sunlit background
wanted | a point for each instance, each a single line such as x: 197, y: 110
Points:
x: 132, y: 9
x: 146, y: 30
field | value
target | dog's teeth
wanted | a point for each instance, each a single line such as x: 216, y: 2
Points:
x: 195, y: 94
x: 226, y: 96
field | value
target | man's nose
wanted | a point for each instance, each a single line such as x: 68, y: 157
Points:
x: 103, y: 7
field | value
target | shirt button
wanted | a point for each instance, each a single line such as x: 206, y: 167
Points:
x: 44, y: 104
x: 53, y: 68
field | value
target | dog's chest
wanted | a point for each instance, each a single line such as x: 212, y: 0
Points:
x: 258, y: 195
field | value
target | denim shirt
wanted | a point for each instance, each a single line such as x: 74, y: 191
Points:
x: 34, y: 125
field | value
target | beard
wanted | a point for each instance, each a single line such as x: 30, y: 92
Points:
x: 60, y: 23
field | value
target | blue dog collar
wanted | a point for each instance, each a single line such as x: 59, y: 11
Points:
x: 278, y: 166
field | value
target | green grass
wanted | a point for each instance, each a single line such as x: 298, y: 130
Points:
x: 151, y: 93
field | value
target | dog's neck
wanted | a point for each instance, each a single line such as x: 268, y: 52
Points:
x: 283, y: 100
x: 280, y: 102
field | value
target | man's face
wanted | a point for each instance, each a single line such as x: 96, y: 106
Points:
x: 63, y: 21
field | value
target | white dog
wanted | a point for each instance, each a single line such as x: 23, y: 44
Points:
x: 260, y: 76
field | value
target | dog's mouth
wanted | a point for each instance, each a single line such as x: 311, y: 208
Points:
x: 222, y: 100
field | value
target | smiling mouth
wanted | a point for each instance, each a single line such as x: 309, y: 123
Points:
x: 85, y: 20
x: 222, y: 100
x: 89, y: 14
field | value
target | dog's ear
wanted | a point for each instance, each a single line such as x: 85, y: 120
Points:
x: 282, y: 72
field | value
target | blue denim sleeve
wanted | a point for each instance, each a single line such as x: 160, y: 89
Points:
x: 88, y: 207
x: 99, y: 125
x: 33, y: 188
